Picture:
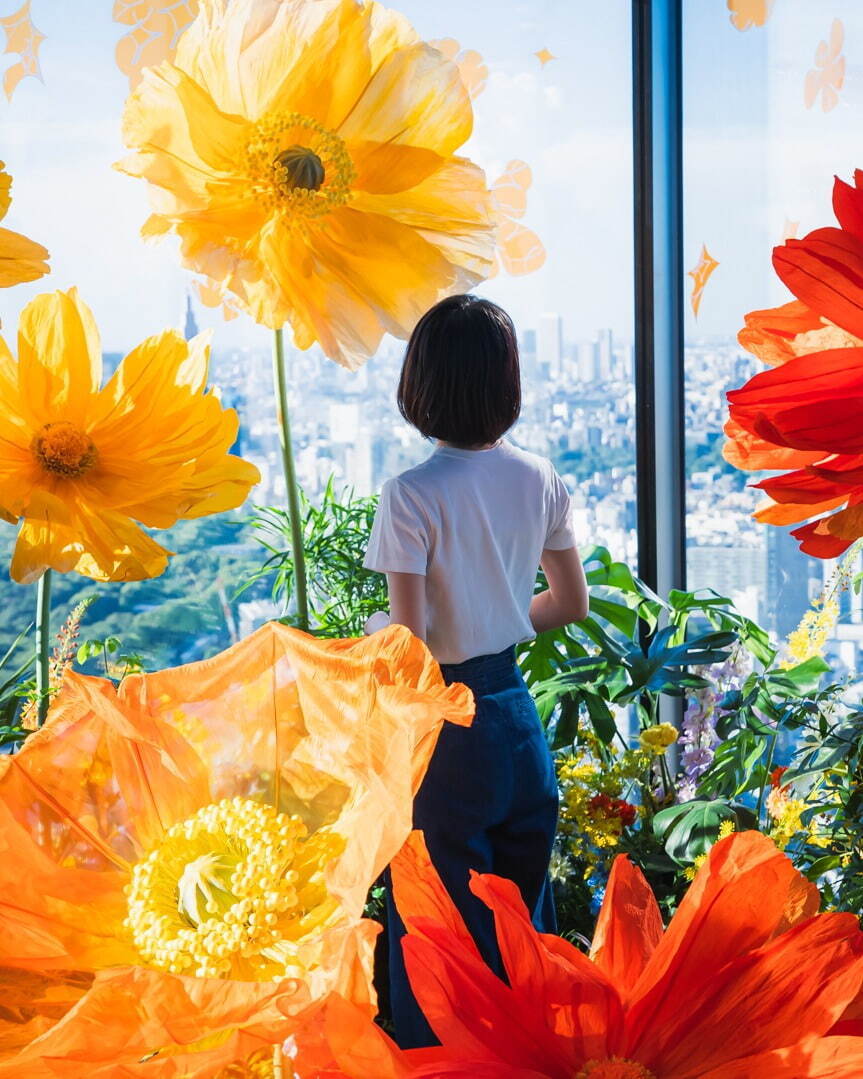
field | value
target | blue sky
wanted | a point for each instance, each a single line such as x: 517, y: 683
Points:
x: 754, y: 156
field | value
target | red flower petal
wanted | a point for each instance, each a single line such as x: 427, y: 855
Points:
x: 825, y: 271
x: 848, y: 206
x: 815, y: 539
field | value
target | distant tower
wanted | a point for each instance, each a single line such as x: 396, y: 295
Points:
x: 549, y: 344
x: 190, y: 324
x: 604, y: 355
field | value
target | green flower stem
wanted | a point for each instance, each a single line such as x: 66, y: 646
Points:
x: 43, y: 643
x: 297, y: 552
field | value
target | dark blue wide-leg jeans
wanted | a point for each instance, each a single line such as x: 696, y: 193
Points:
x: 489, y: 803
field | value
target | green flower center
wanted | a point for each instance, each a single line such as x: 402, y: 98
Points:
x: 298, y: 166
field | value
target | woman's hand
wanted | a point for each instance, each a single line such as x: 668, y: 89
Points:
x: 379, y: 620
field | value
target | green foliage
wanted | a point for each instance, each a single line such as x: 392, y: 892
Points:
x: 342, y: 594
x: 15, y: 683
x: 176, y: 618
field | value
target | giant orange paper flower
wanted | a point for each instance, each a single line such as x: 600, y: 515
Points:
x: 188, y: 856
x: 20, y: 259
x: 304, y: 154
x: 80, y: 464
x: 744, y: 983
x: 805, y: 413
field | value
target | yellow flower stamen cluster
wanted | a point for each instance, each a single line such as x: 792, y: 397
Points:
x: 64, y: 449
x: 614, y: 1068
x: 816, y: 625
x: 658, y: 738
x: 230, y: 891
x: 726, y: 828
x: 297, y: 167
x: 787, y: 820
x: 258, y: 1066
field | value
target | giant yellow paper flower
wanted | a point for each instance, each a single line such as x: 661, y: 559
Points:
x: 303, y: 153
x: 80, y: 465
x: 20, y: 259
x: 187, y: 857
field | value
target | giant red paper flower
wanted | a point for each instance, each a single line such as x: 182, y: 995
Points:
x: 185, y: 861
x: 745, y: 981
x: 806, y: 414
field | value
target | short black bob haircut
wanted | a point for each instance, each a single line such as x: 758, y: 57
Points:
x: 460, y: 379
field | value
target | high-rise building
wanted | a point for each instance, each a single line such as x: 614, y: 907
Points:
x: 604, y: 356
x: 190, y: 323
x: 549, y: 344
x: 587, y: 361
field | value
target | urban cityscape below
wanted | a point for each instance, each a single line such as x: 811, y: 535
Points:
x: 579, y: 410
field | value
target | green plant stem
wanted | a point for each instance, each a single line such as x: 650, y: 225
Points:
x: 297, y: 552
x: 767, y: 770
x: 43, y: 644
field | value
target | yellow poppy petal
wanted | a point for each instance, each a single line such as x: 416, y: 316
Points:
x: 20, y: 259
x: 47, y: 540
x: 59, y: 356
x: 356, y: 246
x: 5, y: 191
x: 114, y: 548
x: 387, y: 167
x: 183, y: 159
x: 415, y: 97
x: 451, y: 209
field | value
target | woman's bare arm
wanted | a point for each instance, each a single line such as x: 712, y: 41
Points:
x: 407, y: 593
x: 566, y: 598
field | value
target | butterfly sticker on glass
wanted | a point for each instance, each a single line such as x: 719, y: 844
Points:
x: 519, y: 249
x: 828, y: 75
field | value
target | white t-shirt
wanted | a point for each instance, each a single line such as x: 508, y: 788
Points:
x: 475, y: 523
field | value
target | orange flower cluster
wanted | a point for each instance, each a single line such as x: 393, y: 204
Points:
x: 804, y: 415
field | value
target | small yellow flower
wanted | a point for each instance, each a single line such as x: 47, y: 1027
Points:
x: 658, y: 738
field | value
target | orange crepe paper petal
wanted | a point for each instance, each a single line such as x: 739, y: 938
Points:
x: 746, y: 893
x: 186, y: 1027
x: 817, y: 1058
x: 469, y: 1008
x: 559, y: 981
x: 420, y: 894
x: 629, y: 927
x: 789, y: 513
x: 770, y: 334
x: 806, y: 979
x: 32, y: 1002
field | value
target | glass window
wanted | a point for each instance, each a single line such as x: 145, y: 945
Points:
x: 772, y: 96
x: 551, y: 84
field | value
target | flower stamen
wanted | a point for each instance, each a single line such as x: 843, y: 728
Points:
x: 64, y: 449
x: 297, y: 167
x: 614, y: 1068
x: 231, y: 891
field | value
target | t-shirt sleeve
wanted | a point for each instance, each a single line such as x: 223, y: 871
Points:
x: 399, y: 542
x: 560, y: 535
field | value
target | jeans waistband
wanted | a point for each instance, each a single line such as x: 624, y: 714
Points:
x: 480, y: 667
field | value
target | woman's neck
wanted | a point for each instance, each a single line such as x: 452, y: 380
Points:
x: 455, y: 446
